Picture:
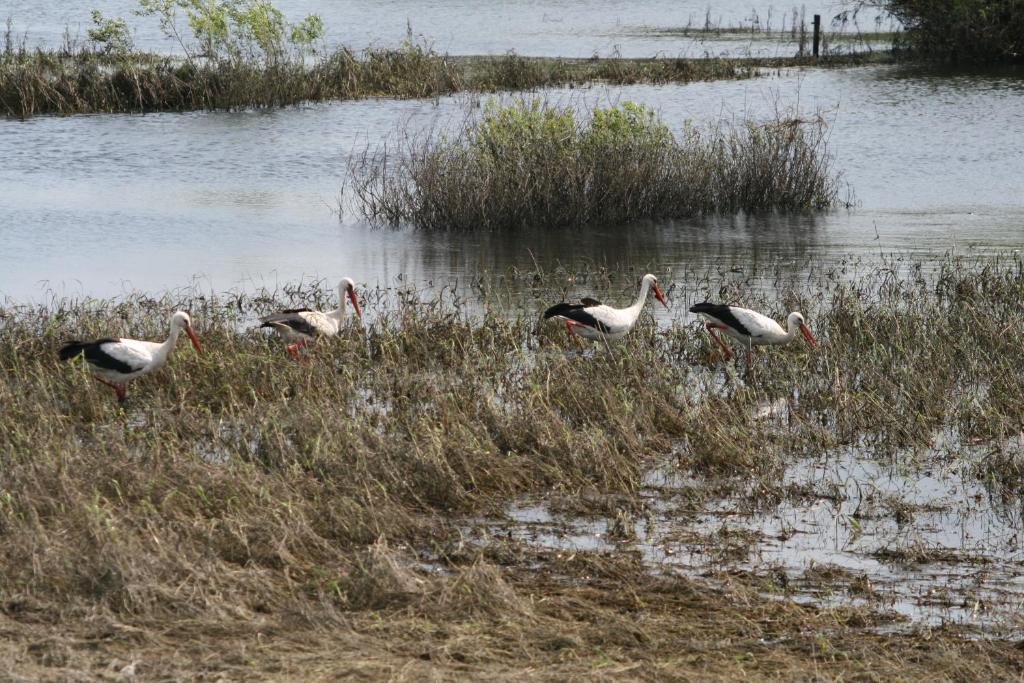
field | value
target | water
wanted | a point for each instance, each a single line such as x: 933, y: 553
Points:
x: 954, y: 554
x: 231, y: 200
x: 540, y: 27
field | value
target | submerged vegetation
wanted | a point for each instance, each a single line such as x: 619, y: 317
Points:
x: 252, y: 515
x: 529, y: 163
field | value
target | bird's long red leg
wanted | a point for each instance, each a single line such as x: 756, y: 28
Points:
x: 725, y: 349
x: 294, y: 347
x: 120, y: 389
x: 569, y: 325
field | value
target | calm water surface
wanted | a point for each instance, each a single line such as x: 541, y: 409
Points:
x: 574, y: 28
x: 96, y: 205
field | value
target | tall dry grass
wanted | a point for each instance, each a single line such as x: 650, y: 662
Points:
x: 244, y: 493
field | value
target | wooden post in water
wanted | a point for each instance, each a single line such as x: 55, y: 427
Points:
x: 817, y: 33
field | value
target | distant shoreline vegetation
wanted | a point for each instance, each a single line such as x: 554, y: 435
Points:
x: 244, y: 54
x: 961, y: 31
x: 529, y: 164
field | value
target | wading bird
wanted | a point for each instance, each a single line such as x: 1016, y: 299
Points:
x: 116, y: 361
x: 593, y: 320
x: 302, y: 325
x: 750, y: 328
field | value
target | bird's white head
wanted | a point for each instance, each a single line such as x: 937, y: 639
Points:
x: 182, y: 321
x: 347, y: 287
x: 796, y: 321
x: 652, y: 282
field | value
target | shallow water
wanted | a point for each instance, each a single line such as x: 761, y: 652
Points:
x: 954, y: 554
x: 96, y: 205
x: 541, y: 27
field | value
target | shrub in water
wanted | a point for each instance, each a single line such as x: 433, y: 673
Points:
x: 528, y: 164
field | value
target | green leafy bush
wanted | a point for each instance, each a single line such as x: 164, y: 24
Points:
x: 111, y: 36
x: 235, y: 30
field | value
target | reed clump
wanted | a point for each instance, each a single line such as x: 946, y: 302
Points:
x: 529, y: 164
x: 83, y: 80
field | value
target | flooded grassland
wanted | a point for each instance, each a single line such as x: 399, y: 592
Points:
x: 454, y: 487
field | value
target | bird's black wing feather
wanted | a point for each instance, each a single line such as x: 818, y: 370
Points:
x: 588, y: 301
x: 292, y: 319
x: 96, y: 356
x: 722, y: 313
x: 576, y: 313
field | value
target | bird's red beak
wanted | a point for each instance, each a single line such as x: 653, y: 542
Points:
x: 807, y: 335
x: 659, y: 295
x: 355, y: 302
x: 195, y: 340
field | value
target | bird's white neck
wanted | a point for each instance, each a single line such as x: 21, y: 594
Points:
x: 164, y: 350
x: 792, y: 330
x: 641, y: 299
x: 338, y: 314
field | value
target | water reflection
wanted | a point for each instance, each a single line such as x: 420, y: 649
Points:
x: 250, y: 198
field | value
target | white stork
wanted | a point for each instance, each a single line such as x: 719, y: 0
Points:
x: 750, y: 328
x: 302, y: 325
x: 116, y: 361
x: 593, y: 320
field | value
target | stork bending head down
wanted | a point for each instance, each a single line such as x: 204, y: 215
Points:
x: 115, y: 361
x: 593, y: 320
x: 750, y: 328
x: 302, y: 325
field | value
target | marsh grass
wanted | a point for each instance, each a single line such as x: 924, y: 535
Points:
x: 242, y: 493
x: 530, y: 164
x: 79, y: 79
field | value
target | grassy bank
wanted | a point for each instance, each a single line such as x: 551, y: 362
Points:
x: 81, y: 80
x: 530, y: 164
x: 233, y: 54
x: 249, y: 516
x: 76, y: 81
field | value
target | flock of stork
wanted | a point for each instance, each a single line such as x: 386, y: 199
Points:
x: 115, y: 361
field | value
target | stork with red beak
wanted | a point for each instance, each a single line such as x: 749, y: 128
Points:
x: 302, y: 325
x: 750, y: 328
x: 115, y: 361
x: 593, y: 320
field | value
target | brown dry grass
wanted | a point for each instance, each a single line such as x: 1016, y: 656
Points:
x: 251, y: 517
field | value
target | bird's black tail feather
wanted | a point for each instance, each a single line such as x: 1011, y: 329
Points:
x: 708, y: 308
x: 72, y: 349
x: 561, y: 309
